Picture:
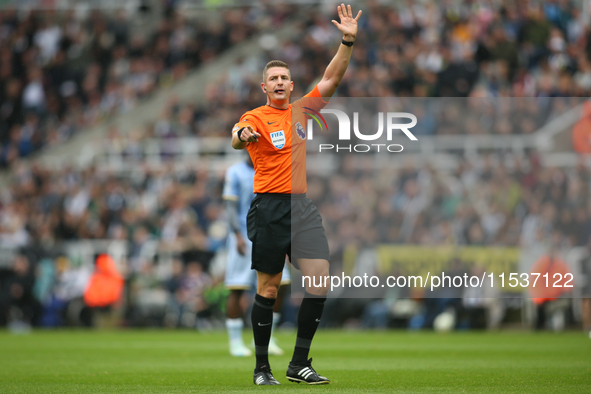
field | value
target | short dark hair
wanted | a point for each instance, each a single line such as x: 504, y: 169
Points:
x: 274, y: 63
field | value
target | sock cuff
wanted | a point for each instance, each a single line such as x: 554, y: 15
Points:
x: 261, y: 350
x: 263, y: 302
x: 313, y: 297
x: 303, y: 342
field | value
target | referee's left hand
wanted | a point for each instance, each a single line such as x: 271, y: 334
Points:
x: 348, y: 25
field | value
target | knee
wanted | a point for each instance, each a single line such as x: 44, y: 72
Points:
x: 269, y: 291
x: 318, y: 291
x: 320, y: 282
x: 319, y: 288
x: 234, y: 297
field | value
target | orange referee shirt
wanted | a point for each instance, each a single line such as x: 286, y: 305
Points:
x: 279, y: 156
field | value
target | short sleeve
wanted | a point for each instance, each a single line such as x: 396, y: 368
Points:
x: 248, y: 119
x: 312, y: 100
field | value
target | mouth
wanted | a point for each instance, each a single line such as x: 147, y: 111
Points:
x: 279, y: 91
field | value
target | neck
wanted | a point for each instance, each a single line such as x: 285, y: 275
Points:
x: 278, y: 104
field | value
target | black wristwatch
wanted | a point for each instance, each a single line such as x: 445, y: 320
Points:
x: 347, y: 43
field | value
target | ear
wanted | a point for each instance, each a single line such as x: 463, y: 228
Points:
x: 291, y: 86
x: 263, y: 88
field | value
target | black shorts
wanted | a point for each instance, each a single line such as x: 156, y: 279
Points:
x: 284, y: 224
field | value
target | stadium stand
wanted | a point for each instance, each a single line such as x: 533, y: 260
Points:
x: 63, y: 73
x: 152, y: 194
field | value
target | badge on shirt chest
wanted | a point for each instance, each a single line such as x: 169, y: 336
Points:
x: 300, y: 131
x: 278, y: 139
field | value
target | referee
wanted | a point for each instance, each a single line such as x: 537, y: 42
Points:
x: 281, y: 220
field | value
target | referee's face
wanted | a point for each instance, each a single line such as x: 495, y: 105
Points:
x: 278, y: 84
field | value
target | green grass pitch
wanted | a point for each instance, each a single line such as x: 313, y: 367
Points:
x: 164, y: 361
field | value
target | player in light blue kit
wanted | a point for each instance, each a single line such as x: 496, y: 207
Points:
x: 237, y: 194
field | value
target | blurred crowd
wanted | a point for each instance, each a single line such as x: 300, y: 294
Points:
x: 471, y: 48
x: 486, y: 204
x: 44, y: 207
x: 427, y: 49
x: 62, y: 72
x: 54, y: 292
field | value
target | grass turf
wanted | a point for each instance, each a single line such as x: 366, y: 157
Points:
x: 356, y: 362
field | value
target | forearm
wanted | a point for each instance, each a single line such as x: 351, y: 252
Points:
x: 335, y: 71
x: 236, y: 143
x: 231, y: 207
x: 339, y: 63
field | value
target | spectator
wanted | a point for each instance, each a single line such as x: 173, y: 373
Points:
x: 23, y: 308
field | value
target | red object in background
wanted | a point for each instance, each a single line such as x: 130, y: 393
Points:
x: 555, y: 285
x: 582, y: 130
x: 106, y: 284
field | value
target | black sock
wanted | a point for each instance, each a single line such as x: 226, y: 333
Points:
x: 308, y: 320
x: 262, y: 322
